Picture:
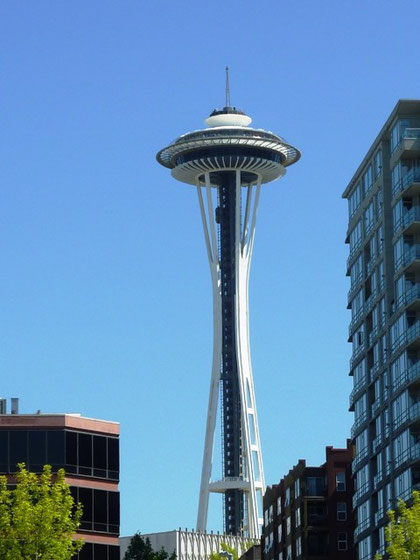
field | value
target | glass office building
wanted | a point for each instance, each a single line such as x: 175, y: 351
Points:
x: 384, y: 299
x: 88, y: 450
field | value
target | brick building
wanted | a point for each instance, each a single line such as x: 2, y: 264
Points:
x: 309, y: 513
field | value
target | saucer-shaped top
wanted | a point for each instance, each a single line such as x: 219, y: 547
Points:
x: 228, y: 116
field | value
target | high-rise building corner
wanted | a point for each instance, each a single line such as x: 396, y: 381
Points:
x: 384, y: 298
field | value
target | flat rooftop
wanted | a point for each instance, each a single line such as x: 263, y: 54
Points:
x: 59, y: 420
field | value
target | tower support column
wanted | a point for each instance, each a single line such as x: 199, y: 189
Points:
x: 242, y: 482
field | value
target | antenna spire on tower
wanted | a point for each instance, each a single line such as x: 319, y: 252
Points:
x: 227, y: 88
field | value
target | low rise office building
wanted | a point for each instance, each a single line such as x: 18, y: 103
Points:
x: 88, y: 450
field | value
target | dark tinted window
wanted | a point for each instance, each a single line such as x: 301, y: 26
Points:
x: 18, y: 449
x: 114, y: 553
x: 114, y: 508
x: 316, y: 544
x: 85, y: 498
x: 37, y: 450
x: 100, y: 509
x: 85, y: 450
x: 87, y: 552
x: 4, y: 451
x: 55, y: 441
x: 315, y: 485
x: 113, y: 455
x: 71, y: 448
x: 99, y: 452
x: 101, y: 552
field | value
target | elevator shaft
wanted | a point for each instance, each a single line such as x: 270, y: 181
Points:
x: 231, y: 411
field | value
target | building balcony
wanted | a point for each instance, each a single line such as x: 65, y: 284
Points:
x: 360, y: 492
x: 409, y: 184
x: 379, y: 515
x: 369, y: 227
x: 372, y: 335
x: 362, y: 527
x: 374, y: 370
x: 377, y: 479
x: 353, y: 252
x: 408, y: 455
x: 355, y: 287
x: 408, y: 146
x: 409, y: 222
x: 377, y: 442
x: 364, y: 310
x: 360, y: 457
x: 356, y: 355
x: 410, y: 298
x: 358, y: 424
x: 412, y: 414
x: 369, y: 303
x: 406, y: 495
x: 380, y: 550
x: 411, y: 337
x: 411, y: 375
x: 408, y: 258
x: 355, y: 322
x: 376, y: 405
x: 357, y: 391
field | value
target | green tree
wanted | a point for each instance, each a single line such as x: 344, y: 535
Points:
x: 38, y: 518
x: 228, y: 552
x: 403, y: 532
x: 141, y: 549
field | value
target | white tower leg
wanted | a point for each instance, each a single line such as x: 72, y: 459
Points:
x: 252, y: 481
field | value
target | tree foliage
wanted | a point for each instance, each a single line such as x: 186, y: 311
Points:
x: 403, y: 532
x: 229, y: 552
x: 38, y: 518
x: 141, y: 549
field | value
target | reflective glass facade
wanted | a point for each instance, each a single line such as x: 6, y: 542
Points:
x: 79, y: 453
x: 88, y: 450
x: 384, y: 299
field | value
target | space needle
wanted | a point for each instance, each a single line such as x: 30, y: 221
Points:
x: 227, y: 163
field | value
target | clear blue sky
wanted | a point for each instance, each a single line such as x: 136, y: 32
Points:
x: 105, y: 288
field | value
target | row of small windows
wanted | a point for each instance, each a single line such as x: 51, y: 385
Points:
x: 317, y: 515
x: 364, y: 186
x: 223, y: 153
x: 93, y: 551
x: 101, y: 509
x: 78, y: 453
x: 316, y: 546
